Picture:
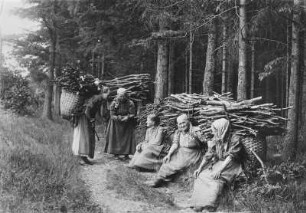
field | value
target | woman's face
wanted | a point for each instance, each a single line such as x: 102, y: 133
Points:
x: 213, y: 131
x: 183, y: 125
x: 150, y: 123
x: 121, y: 96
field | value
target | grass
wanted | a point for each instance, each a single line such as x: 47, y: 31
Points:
x: 280, y: 195
x: 37, y: 170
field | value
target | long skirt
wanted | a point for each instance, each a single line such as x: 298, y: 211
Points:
x: 83, y: 138
x: 179, y: 161
x: 207, y: 190
x: 148, y: 158
x: 120, y: 138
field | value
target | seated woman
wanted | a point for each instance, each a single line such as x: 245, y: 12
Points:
x: 220, y: 165
x: 147, y: 153
x: 183, y: 153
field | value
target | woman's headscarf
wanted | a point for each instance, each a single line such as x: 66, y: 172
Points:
x: 182, y: 118
x: 220, y: 127
x: 121, y: 91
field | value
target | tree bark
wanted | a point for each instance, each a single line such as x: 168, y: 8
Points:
x: 161, y: 78
x: 252, y: 68
x: 47, y: 109
x: 224, y: 57
x: 242, y: 80
x: 190, y: 61
x: 290, y: 142
x: 230, y: 77
x: 57, y: 88
x: 171, y: 68
x: 209, y: 72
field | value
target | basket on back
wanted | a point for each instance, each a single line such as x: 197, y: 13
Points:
x: 69, y: 103
x: 259, y: 146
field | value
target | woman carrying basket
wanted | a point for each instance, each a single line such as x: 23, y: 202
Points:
x: 221, y: 164
x: 84, y: 128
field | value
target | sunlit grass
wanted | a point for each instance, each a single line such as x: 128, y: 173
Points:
x: 38, y: 171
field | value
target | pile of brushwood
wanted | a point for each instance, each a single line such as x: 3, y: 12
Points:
x: 137, y: 86
x: 247, y: 118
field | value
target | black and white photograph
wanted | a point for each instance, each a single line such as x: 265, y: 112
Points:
x: 152, y: 106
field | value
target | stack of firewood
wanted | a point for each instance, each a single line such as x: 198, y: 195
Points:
x: 247, y: 117
x: 137, y: 86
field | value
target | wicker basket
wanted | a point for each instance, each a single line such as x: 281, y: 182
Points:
x: 259, y: 146
x: 70, y: 102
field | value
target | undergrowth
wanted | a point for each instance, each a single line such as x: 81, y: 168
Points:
x: 38, y: 172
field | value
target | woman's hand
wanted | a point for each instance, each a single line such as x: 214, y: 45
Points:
x: 114, y: 118
x: 139, y: 147
x: 197, y: 172
x: 124, y: 118
x: 166, y: 158
x: 217, y: 175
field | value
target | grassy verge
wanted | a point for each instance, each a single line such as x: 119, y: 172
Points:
x: 282, y: 188
x: 37, y: 170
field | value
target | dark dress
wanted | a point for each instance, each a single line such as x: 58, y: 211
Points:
x: 120, y: 137
x: 84, y: 132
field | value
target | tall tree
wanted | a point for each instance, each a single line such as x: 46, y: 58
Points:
x: 291, y: 140
x: 242, y: 74
x: 209, y: 72
x: 224, y: 54
x: 171, y: 70
x: 161, y: 77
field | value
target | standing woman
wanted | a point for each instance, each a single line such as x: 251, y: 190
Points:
x: 83, y: 144
x: 120, y: 139
x: 221, y: 164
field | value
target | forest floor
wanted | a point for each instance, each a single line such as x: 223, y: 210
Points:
x: 116, y: 188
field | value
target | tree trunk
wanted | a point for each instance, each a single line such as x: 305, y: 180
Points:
x: 252, y: 69
x: 290, y: 143
x: 190, y: 61
x: 302, y: 94
x: 57, y: 88
x: 224, y: 57
x: 102, y: 66
x: 47, y: 109
x: 161, y: 78
x: 230, y: 77
x: 171, y: 68
x: 242, y: 80
x: 303, y: 127
x: 209, y: 72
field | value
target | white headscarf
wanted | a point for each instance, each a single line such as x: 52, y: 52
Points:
x: 181, y: 118
x: 220, y: 127
x: 121, y: 91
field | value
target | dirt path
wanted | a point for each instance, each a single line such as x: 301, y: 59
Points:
x: 112, y: 189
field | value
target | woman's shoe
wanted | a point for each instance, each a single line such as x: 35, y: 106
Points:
x: 116, y: 157
x: 198, y: 208
x: 85, y: 159
x: 126, y: 157
x: 156, y: 183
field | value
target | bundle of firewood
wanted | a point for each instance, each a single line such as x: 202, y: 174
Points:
x: 137, y: 86
x: 247, y: 117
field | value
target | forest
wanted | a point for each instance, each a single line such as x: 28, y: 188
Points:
x: 246, y: 48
